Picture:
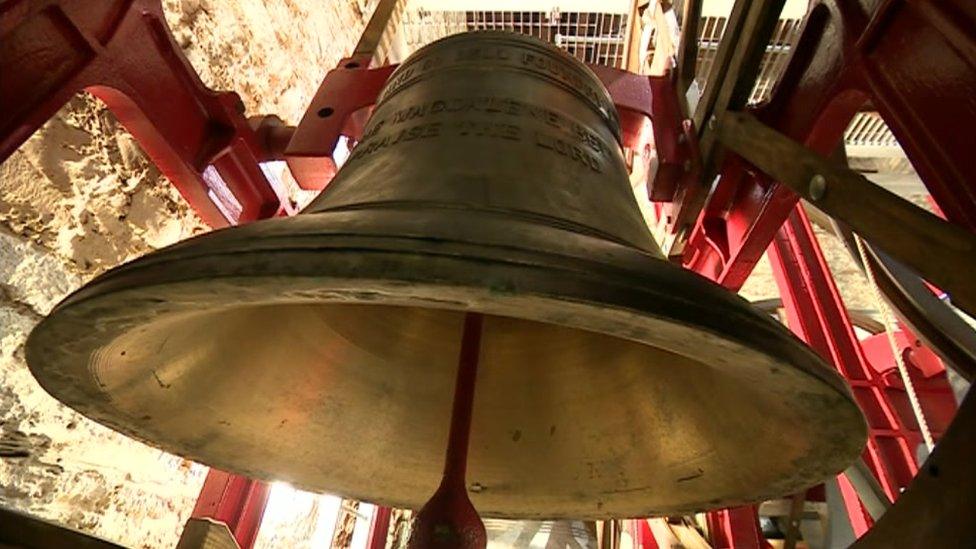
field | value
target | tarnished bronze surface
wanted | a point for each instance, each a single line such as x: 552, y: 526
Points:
x: 321, y: 350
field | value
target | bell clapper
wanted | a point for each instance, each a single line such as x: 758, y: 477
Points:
x: 448, y: 519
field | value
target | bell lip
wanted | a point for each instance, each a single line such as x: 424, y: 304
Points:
x: 616, y: 260
x: 43, y: 344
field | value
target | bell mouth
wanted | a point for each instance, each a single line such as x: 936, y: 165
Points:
x: 321, y: 351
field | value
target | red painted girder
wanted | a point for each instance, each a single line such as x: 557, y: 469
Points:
x: 340, y: 108
x: 234, y: 500
x: 914, y: 61
x: 817, y: 315
x: 122, y: 52
x: 379, y: 528
x: 735, y: 528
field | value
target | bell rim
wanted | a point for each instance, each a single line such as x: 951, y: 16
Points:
x: 48, y: 332
x: 393, y: 241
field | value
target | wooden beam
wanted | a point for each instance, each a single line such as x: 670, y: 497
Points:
x: 793, y: 521
x: 688, y: 45
x: 632, y: 47
x: 664, y: 39
x: 736, y: 66
x: 369, y: 41
x: 936, y: 250
x: 868, y: 489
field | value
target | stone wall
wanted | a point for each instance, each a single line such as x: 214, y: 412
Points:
x: 79, y: 198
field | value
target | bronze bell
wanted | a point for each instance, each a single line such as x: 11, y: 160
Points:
x: 321, y: 349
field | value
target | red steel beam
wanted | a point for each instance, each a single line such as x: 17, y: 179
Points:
x: 379, y: 528
x: 122, y: 52
x: 236, y: 501
x: 914, y: 61
x: 817, y: 315
x: 339, y: 108
x: 735, y: 528
x: 641, y: 534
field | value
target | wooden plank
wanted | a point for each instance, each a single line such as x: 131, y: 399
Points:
x: 687, y: 55
x: 688, y: 536
x: 369, y: 41
x: 731, y: 88
x: 632, y: 47
x: 664, y: 39
x: 793, y: 521
x: 749, y: 27
x: 868, y: 489
x: 936, y: 250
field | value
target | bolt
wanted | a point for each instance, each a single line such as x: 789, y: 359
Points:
x: 712, y: 123
x: 476, y: 487
x: 818, y: 187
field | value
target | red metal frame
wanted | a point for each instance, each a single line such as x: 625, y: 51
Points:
x: 912, y: 60
x: 735, y: 528
x: 879, y: 355
x: 817, y: 315
x: 347, y: 94
x: 122, y: 52
x: 340, y: 108
x: 848, y: 55
x: 234, y: 500
x: 640, y: 532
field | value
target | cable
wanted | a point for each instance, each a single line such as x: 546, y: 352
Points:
x: 889, y: 324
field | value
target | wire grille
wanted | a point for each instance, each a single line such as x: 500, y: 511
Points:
x: 596, y: 38
x: 773, y: 63
x: 867, y: 134
x: 867, y: 129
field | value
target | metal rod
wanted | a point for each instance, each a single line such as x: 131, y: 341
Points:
x: 448, y: 519
x: 379, y: 528
x: 456, y: 460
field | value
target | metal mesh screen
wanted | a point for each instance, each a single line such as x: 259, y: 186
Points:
x: 596, y: 38
x: 784, y: 37
x: 869, y: 136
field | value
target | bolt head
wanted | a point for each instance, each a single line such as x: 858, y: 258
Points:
x: 818, y: 187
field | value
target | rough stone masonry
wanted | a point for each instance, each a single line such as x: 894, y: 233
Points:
x: 79, y: 198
